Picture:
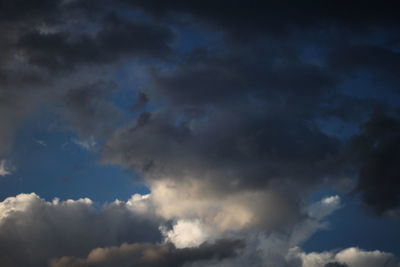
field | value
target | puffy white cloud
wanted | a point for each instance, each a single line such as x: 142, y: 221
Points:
x: 356, y: 257
x: 187, y: 233
x: 351, y: 257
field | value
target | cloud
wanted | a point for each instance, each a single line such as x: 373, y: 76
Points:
x: 32, y: 230
x: 225, y: 133
x: 351, y: 257
x: 383, y: 62
x: 282, y: 248
x: 151, y: 255
x: 65, y: 50
x: 6, y: 168
x: 89, y: 110
x: 35, y: 232
x: 141, y: 101
x: 185, y: 233
x: 271, y: 18
x: 376, y: 151
x: 335, y: 264
x: 41, y: 143
x: 85, y: 144
x: 355, y: 257
x: 219, y: 210
x: 54, y: 46
x: 324, y: 207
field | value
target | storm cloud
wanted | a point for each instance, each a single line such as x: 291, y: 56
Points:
x: 233, y: 114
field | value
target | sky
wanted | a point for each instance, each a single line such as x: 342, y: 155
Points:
x: 199, y: 133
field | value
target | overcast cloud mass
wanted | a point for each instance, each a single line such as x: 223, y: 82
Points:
x: 249, y: 123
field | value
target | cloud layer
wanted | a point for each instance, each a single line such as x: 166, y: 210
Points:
x: 34, y: 232
x: 232, y: 113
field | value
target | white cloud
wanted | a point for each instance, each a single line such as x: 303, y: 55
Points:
x: 352, y: 257
x: 87, y: 144
x: 185, y: 233
x: 324, y: 207
x: 194, y: 199
x: 356, y: 257
x: 6, y: 168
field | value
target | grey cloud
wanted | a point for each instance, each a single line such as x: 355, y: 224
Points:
x: 230, y: 127
x: 382, y: 62
x: 89, y: 111
x: 224, y: 147
x: 33, y: 231
x: 207, y: 77
x: 249, y: 19
x: 47, y: 45
x: 335, y: 264
x: 235, y: 123
x: 149, y: 255
x: 27, y: 10
x: 66, y: 50
x: 141, y: 101
x: 376, y: 151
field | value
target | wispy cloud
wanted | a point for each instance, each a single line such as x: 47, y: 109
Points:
x: 6, y: 168
x: 87, y: 144
x: 41, y: 142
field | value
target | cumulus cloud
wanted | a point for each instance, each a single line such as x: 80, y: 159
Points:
x: 225, y: 133
x: 351, y: 257
x: 151, y: 255
x: 33, y: 230
x: 282, y: 248
x: 220, y: 210
x: 185, y: 233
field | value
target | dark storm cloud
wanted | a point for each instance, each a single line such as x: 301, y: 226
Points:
x: 151, y: 255
x: 221, y: 77
x: 225, y: 133
x: 45, y: 43
x: 63, y: 50
x: 141, y: 101
x: 26, y: 10
x: 225, y: 147
x: 234, y: 124
x: 383, y: 62
x: 377, y: 150
x: 233, y: 117
x: 335, y: 264
x: 247, y: 18
x: 89, y: 111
